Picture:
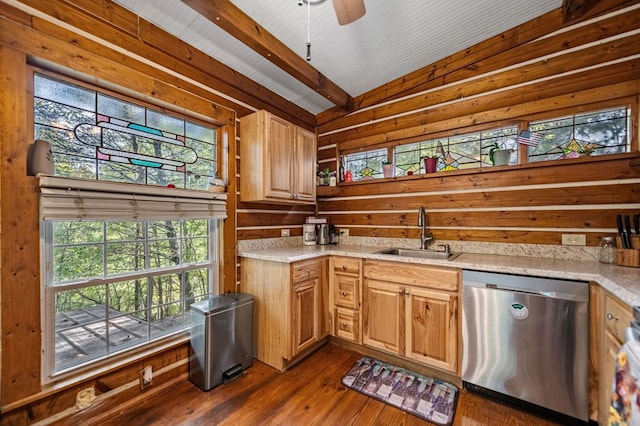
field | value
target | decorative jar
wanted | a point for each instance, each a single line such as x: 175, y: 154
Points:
x: 607, y: 250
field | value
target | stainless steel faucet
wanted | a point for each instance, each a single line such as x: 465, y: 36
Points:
x: 425, y: 239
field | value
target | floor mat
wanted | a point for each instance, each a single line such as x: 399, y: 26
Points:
x: 424, y: 397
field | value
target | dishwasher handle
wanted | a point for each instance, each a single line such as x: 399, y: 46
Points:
x: 558, y: 288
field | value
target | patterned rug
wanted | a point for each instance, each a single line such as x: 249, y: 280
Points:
x: 427, y: 398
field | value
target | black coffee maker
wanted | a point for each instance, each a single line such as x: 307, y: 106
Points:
x: 333, y: 234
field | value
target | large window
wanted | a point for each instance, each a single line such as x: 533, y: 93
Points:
x: 116, y: 285
x: 122, y: 258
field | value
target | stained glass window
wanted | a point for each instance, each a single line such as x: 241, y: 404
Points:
x: 593, y: 133
x: 466, y: 151
x: 365, y: 165
x: 97, y: 136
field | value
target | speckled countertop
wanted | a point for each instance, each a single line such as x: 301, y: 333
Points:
x: 623, y: 282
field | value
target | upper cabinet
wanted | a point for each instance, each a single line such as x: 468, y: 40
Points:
x: 277, y: 160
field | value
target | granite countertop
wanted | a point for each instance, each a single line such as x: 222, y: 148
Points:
x: 622, y: 282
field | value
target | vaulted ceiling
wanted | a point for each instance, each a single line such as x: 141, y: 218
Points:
x: 267, y: 40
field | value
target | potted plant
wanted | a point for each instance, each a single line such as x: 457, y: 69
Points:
x: 499, y: 155
x: 430, y: 163
x: 387, y: 167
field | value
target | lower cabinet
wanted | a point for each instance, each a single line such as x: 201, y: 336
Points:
x: 345, y: 282
x: 305, y: 322
x: 412, y: 311
x: 290, y: 307
x: 615, y: 319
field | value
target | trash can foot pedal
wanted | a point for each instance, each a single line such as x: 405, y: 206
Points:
x: 232, y: 373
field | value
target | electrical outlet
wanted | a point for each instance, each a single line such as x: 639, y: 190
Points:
x: 146, y: 377
x: 344, y: 232
x: 574, y: 240
x: 285, y: 232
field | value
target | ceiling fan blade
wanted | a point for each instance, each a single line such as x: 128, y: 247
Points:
x: 348, y: 11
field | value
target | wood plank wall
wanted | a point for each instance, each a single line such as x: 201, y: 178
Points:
x: 105, y: 44
x: 541, y: 69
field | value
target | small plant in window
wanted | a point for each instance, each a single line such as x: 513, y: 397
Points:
x: 430, y: 163
x: 387, y: 168
x: 499, y: 154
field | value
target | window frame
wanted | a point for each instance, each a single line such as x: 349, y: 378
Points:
x: 215, y: 243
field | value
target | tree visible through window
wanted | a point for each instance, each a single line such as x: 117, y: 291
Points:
x: 594, y: 133
x: 120, y: 282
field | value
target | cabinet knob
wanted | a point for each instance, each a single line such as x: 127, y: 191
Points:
x: 344, y: 325
x: 344, y: 294
x: 308, y: 271
x: 344, y: 267
x: 610, y: 316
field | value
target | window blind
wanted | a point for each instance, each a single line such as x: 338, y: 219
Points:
x: 72, y: 199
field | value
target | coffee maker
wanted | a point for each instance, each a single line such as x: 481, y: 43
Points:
x: 333, y: 234
x: 309, y: 234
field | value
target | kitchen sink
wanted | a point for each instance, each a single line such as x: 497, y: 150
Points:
x: 422, y: 254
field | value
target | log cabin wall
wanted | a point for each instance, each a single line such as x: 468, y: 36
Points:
x: 104, y: 44
x: 539, y: 70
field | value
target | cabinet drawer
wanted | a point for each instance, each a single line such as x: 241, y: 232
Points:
x: 346, y: 265
x: 347, y: 325
x: 305, y: 270
x: 617, y: 318
x: 418, y: 275
x: 346, y: 291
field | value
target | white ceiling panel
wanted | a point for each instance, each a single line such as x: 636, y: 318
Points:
x: 393, y: 39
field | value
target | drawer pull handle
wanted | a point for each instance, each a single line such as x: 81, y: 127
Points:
x: 344, y: 294
x: 610, y: 316
x: 344, y: 267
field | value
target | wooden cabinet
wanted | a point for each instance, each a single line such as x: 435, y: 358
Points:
x: 615, y: 319
x: 412, y: 311
x: 305, y: 302
x: 290, y: 307
x: 345, y: 297
x: 277, y: 160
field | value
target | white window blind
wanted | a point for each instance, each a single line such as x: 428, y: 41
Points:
x: 73, y: 199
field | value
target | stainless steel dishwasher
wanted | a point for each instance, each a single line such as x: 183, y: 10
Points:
x: 527, y: 338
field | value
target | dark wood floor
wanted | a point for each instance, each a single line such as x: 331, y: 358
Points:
x: 310, y: 393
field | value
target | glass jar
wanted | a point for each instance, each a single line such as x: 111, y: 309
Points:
x: 607, y: 251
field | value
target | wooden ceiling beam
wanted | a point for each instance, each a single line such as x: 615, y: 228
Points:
x: 235, y: 22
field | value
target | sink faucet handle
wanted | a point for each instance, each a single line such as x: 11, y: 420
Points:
x: 446, y: 247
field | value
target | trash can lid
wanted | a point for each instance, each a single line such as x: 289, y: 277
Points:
x: 220, y: 302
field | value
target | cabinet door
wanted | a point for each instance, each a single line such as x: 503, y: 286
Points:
x: 305, y: 319
x: 305, y: 165
x: 431, y: 322
x: 616, y: 318
x: 383, y: 322
x: 279, y: 157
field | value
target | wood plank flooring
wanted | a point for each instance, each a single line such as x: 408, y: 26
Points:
x: 310, y: 393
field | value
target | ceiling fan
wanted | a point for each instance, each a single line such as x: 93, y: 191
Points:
x: 347, y: 11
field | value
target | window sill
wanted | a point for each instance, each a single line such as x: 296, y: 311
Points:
x: 634, y: 163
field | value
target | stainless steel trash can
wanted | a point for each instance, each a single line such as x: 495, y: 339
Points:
x: 221, y: 339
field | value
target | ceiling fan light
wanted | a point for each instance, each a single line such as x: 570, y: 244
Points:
x: 348, y: 11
